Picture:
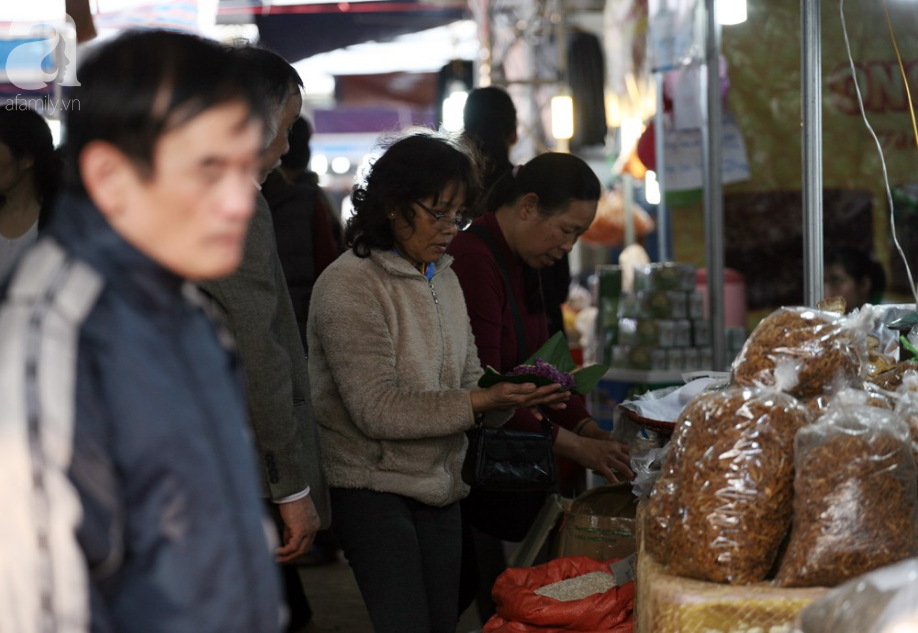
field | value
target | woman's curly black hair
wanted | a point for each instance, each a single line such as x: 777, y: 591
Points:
x: 416, y: 166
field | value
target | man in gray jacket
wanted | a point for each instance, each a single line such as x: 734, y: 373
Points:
x: 255, y: 306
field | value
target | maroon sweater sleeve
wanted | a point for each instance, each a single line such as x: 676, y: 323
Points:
x: 492, y: 321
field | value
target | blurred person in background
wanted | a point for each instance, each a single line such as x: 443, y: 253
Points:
x: 303, y: 224
x: 394, y: 374
x: 129, y: 490
x: 490, y: 125
x: 534, y: 215
x: 255, y: 306
x: 855, y: 276
x: 30, y: 175
x: 295, y: 167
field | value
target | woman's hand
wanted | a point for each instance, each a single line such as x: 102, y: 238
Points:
x: 602, y: 455
x: 508, y: 395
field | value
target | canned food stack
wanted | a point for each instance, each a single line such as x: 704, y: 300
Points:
x: 660, y: 325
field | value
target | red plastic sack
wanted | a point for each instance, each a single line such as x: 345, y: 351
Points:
x: 521, y: 610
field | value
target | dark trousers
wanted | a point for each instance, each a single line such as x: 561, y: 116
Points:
x: 405, y: 556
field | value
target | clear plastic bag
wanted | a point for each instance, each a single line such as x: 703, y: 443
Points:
x: 854, y: 495
x: 646, y: 467
x: 883, y: 601
x: 722, y: 505
x: 828, y: 350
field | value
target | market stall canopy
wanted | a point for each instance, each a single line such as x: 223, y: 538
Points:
x: 298, y: 30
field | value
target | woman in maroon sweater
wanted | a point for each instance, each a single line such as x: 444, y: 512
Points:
x: 535, y: 214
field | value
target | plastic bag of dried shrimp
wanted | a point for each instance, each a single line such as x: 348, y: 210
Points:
x: 828, y: 350
x: 854, y: 495
x: 883, y: 601
x: 723, y: 504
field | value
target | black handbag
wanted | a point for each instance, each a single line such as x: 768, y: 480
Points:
x: 508, y: 460
x: 501, y: 459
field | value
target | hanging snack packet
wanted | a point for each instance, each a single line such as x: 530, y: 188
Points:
x: 854, y: 495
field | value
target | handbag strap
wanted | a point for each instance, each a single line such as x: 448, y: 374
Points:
x: 522, y: 349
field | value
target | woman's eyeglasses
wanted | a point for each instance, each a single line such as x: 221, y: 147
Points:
x: 444, y: 219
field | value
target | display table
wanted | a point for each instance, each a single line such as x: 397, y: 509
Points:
x: 670, y: 604
x: 617, y: 385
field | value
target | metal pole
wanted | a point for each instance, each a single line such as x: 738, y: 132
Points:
x: 811, y: 137
x: 660, y: 151
x: 712, y: 136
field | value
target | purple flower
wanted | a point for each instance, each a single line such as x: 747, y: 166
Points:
x: 546, y: 369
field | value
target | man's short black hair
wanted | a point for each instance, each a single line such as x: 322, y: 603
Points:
x: 144, y: 84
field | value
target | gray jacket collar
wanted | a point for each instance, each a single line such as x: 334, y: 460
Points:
x: 395, y: 264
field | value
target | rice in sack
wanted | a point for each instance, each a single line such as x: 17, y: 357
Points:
x: 854, y: 495
x: 826, y: 350
x: 732, y: 484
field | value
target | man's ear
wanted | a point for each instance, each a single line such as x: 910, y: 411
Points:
x: 106, y: 173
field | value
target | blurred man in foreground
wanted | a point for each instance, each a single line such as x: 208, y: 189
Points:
x: 128, y: 487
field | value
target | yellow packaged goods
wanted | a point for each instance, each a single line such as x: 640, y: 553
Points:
x: 669, y: 604
x: 824, y: 348
x: 599, y: 524
x: 723, y: 503
x: 854, y: 495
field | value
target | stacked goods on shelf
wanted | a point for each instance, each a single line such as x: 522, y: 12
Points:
x: 660, y: 325
x: 801, y: 473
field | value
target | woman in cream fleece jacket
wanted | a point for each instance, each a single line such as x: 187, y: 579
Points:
x: 393, y: 370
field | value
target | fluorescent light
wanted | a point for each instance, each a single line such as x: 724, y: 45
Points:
x: 562, y: 117
x: 651, y: 188
x: 631, y: 130
x: 340, y: 165
x: 319, y: 164
x: 453, y: 106
x: 731, y: 11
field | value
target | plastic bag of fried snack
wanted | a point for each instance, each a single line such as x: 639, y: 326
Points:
x: 723, y: 504
x: 828, y: 350
x: 854, y: 495
x: 882, y: 601
x: 819, y: 405
x: 906, y: 398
